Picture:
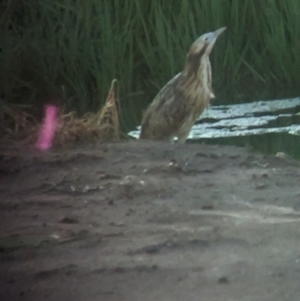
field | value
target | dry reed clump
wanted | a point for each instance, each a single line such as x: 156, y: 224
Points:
x: 14, y: 122
x: 103, y: 126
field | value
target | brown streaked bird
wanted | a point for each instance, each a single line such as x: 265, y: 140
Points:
x: 183, y: 99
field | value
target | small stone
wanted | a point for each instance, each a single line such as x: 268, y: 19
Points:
x: 223, y: 280
x: 69, y: 220
x: 260, y: 186
x: 208, y: 207
x: 117, y: 224
x: 280, y: 155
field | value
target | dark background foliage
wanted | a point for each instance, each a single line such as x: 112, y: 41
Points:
x: 68, y: 51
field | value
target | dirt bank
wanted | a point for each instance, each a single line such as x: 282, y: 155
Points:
x: 149, y: 221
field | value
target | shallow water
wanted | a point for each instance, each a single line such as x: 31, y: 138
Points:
x: 267, y: 126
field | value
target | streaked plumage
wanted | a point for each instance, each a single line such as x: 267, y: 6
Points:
x: 182, y: 100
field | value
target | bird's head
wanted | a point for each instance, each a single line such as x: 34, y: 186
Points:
x: 202, y: 47
x: 205, y: 43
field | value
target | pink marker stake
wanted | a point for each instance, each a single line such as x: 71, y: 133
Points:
x: 48, y: 128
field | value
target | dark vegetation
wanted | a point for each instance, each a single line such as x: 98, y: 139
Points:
x: 68, y: 51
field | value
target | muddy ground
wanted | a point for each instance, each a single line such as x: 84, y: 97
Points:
x: 149, y: 221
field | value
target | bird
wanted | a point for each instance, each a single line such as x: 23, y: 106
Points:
x: 183, y: 99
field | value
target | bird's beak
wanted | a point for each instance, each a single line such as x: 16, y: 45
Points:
x: 211, y: 37
x: 219, y: 31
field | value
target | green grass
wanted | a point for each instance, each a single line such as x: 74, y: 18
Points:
x: 68, y: 51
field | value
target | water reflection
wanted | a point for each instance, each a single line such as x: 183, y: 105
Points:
x: 267, y: 126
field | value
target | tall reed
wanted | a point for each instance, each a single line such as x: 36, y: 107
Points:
x: 70, y: 50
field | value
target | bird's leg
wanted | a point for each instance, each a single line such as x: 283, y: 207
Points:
x: 182, y: 138
x: 182, y: 135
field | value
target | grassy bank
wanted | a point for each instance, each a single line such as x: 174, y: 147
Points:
x: 68, y: 51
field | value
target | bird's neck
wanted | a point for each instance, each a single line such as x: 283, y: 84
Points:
x: 200, y: 73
